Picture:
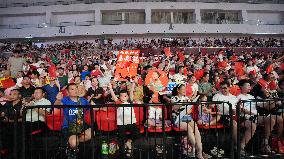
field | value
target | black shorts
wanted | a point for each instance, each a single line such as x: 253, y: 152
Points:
x: 225, y: 120
x: 252, y: 118
x: 67, y: 134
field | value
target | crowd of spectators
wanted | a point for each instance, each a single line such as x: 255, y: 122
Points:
x: 85, y: 74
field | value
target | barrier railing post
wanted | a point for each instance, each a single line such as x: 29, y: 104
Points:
x: 23, y: 132
x: 238, y: 131
x: 164, y: 133
x: 92, y: 132
x: 232, y: 129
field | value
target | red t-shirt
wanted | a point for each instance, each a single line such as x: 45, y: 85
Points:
x: 188, y: 90
x: 272, y: 85
x: 96, y: 73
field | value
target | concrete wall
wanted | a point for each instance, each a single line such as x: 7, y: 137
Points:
x: 90, y: 12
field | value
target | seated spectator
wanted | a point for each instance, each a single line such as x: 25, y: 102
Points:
x: 51, y: 90
x: 205, y: 114
x: 87, y: 82
x: 225, y: 96
x: 155, y: 116
x: 74, y: 128
x: 97, y: 71
x: 179, y: 77
x: 85, y: 72
x: 138, y: 92
x: 27, y: 89
x: 62, y: 78
x: 205, y: 87
x: 185, y: 122
x: 36, y: 82
x: 268, y: 114
x: 35, y: 118
x: 191, y: 87
x: 126, y: 121
x: 11, y: 112
x: 95, y: 93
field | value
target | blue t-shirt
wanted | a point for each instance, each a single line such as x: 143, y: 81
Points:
x: 51, y: 92
x: 71, y: 113
x: 84, y: 74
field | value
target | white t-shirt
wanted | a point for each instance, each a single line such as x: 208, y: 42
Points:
x: 179, y: 78
x: 155, y: 113
x: 32, y: 115
x: 194, y: 88
x: 125, y: 115
x: 19, y: 81
x: 250, y: 106
x: 224, y: 108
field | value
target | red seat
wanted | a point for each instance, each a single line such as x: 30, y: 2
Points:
x: 139, y: 114
x: 106, y: 120
x: 159, y: 130
x: 37, y: 132
x: 177, y: 129
x: 54, y: 121
x: 218, y: 126
x: 88, y: 116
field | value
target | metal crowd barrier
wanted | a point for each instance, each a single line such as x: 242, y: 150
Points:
x: 164, y: 139
x: 267, y: 122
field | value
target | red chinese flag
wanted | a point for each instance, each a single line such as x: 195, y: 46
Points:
x: 269, y: 69
x: 7, y: 83
x: 199, y: 74
x: 239, y: 68
x: 167, y: 51
x: 181, y: 56
x: 222, y: 65
x: 272, y: 85
x: 52, y: 71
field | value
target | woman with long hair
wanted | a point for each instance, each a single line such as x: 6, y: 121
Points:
x: 185, y: 122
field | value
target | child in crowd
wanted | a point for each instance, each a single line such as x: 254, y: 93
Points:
x: 126, y: 120
x: 205, y: 113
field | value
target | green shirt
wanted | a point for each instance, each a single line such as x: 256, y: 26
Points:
x: 63, y: 81
x: 205, y: 88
